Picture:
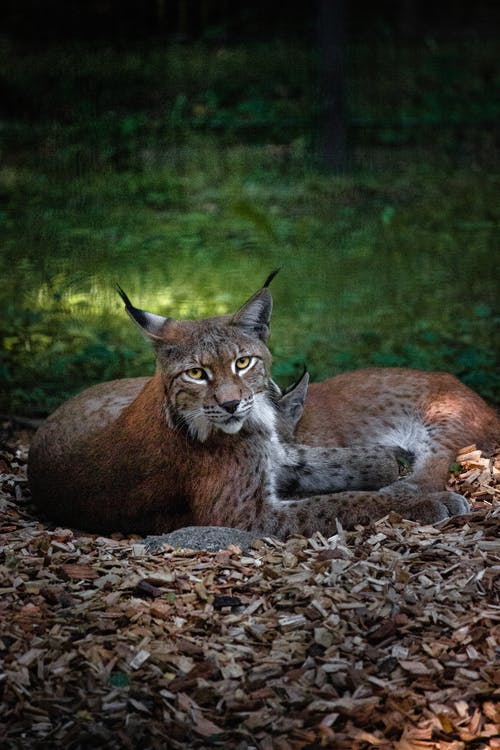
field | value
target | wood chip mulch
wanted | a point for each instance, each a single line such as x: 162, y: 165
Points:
x: 385, y: 637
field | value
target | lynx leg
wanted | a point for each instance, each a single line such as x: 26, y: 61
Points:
x: 437, y: 507
x: 309, y: 470
x: 321, y: 513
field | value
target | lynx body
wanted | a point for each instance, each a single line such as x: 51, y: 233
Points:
x: 207, y: 439
x: 429, y: 414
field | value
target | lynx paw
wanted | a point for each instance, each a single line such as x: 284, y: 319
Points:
x: 438, y: 506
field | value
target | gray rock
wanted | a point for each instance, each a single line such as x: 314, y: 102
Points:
x: 210, y: 538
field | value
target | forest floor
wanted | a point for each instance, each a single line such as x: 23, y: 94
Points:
x: 384, y: 637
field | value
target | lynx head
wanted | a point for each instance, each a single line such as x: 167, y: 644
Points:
x: 215, y: 371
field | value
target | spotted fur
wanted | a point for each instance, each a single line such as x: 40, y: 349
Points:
x: 209, y: 439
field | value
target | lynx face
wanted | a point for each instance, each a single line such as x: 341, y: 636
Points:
x: 216, y: 379
x: 215, y: 371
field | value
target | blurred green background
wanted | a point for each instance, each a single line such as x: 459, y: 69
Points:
x: 186, y: 169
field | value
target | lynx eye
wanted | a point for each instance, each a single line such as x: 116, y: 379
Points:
x: 242, y: 363
x: 196, y: 373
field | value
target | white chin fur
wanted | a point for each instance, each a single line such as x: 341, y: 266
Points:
x: 230, y: 427
x: 201, y: 428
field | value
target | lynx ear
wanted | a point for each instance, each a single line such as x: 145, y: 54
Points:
x: 255, y: 315
x: 151, y: 324
x: 291, y: 403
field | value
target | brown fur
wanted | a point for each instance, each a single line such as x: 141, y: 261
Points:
x: 366, y: 406
x: 149, y: 455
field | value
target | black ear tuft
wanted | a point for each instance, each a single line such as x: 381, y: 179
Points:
x: 150, y: 323
x: 271, y: 277
x: 128, y: 305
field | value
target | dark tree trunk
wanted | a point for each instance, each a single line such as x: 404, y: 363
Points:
x: 331, y: 41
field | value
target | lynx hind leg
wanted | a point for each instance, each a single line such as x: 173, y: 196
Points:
x: 321, y: 513
x: 426, y: 508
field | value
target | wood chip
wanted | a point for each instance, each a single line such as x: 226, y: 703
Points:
x: 383, y: 637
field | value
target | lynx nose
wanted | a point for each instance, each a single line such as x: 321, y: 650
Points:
x: 230, y: 406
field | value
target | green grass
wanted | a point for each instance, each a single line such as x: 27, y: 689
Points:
x: 393, y: 264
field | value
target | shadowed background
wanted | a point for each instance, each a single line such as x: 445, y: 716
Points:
x: 186, y: 149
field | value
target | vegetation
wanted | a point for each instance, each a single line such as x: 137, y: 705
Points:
x: 185, y: 174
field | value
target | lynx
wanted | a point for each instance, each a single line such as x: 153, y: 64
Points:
x: 211, y: 440
x: 431, y: 415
